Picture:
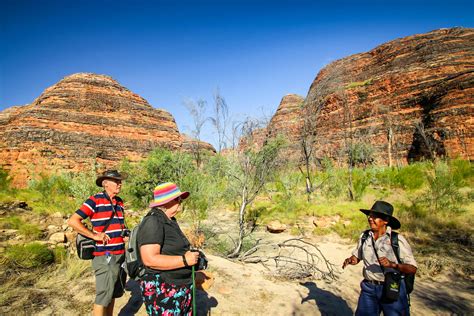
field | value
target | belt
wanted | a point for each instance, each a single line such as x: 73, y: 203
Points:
x: 374, y: 282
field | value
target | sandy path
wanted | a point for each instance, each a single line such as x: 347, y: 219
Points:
x: 248, y: 289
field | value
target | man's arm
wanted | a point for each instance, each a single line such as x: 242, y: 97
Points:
x: 75, y: 221
x: 402, y: 267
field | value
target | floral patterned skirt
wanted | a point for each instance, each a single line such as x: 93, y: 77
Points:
x: 165, y: 298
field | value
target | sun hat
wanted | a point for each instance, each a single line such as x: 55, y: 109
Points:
x: 110, y: 174
x: 386, y: 209
x: 166, y: 192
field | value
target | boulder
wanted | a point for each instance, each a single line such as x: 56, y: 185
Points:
x: 276, y: 227
x: 57, y: 238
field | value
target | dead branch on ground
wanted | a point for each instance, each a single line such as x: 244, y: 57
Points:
x: 293, y: 258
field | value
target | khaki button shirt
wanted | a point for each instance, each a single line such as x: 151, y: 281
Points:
x: 372, y: 270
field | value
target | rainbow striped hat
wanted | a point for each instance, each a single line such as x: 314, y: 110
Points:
x: 165, y: 193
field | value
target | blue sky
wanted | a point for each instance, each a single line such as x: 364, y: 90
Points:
x: 255, y: 52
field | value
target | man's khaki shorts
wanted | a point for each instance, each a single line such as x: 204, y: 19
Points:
x: 110, y: 278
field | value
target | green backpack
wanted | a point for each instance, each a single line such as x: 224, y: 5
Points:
x: 409, y: 278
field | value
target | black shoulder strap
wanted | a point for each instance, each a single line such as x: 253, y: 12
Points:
x: 395, y: 247
x: 114, y: 212
x: 365, y: 236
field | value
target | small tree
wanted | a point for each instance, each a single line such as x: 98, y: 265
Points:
x: 252, y: 169
x: 310, y: 114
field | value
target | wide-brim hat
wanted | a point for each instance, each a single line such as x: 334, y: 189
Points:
x: 165, y: 193
x: 386, y: 209
x: 110, y: 174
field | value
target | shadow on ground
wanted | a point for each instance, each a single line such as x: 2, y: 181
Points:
x: 326, y: 302
x: 441, y: 301
x: 204, y: 303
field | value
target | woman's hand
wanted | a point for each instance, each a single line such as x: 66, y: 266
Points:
x: 191, y: 257
x: 353, y: 260
x: 387, y: 263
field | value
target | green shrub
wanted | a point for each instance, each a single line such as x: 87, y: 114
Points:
x: 82, y: 185
x: 333, y: 182
x: 215, y: 243
x: 443, y: 192
x: 11, y: 222
x: 463, y: 172
x: 385, y: 176
x: 60, y: 255
x: 50, y: 185
x: 5, y: 180
x: 361, y: 179
x: 33, y: 255
x: 160, y: 166
x: 30, y: 231
x: 410, y: 177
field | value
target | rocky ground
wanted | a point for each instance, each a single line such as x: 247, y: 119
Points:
x: 251, y: 289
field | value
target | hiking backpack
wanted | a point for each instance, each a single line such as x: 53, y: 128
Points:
x: 133, y: 263
x: 409, y: 278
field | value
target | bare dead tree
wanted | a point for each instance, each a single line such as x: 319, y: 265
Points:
x: 427, y: 140
x: 294, y: 258
x: 348, y: 139
x: 197, y: 110
x: 310, y: 115
x: 254, y: 167
x: 220, y: 119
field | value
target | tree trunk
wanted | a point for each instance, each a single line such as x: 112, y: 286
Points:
x: 243, y: 206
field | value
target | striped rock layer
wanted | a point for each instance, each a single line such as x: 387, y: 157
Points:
x: 83, y: 120
x: 410, y: 99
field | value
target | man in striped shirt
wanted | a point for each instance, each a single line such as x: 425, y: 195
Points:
x: 105, y: 211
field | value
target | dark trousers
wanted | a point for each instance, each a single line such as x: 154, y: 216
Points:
x: 370, y: 301
x: 135, y: 301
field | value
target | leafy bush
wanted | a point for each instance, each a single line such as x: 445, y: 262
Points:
x: 410, y: 177
x: 443, y: 189
x: 82, y: 185
x: 361, y: 180
x: 11, y: 222
x: 463, y: 172
x: 30, y: 231
x: 361, y: 154
x: 60, y: 255
x: 33, y: 255
x: 5, y: 180
x: 50, y: 185
x: 333, y: 182
x: 215, y: 243
x: 160, y: 166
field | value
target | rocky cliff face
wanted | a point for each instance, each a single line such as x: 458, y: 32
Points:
x: 286, y: 122
x: 408, y: 99
x: 84, y: 119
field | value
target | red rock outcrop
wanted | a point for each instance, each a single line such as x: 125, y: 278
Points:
x: 286, y: 121
x: 408, y: 99
x: 84, y: 119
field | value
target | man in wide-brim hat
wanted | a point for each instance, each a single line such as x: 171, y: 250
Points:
x: 110, y: 175
x: 375, y: 249
x: 106, y: 212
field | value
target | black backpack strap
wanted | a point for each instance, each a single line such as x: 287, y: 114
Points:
x: 395, y: 246
x: 364, y: 237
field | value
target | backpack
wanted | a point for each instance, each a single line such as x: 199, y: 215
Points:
x: 409, y: 278
x: 133, y: 263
